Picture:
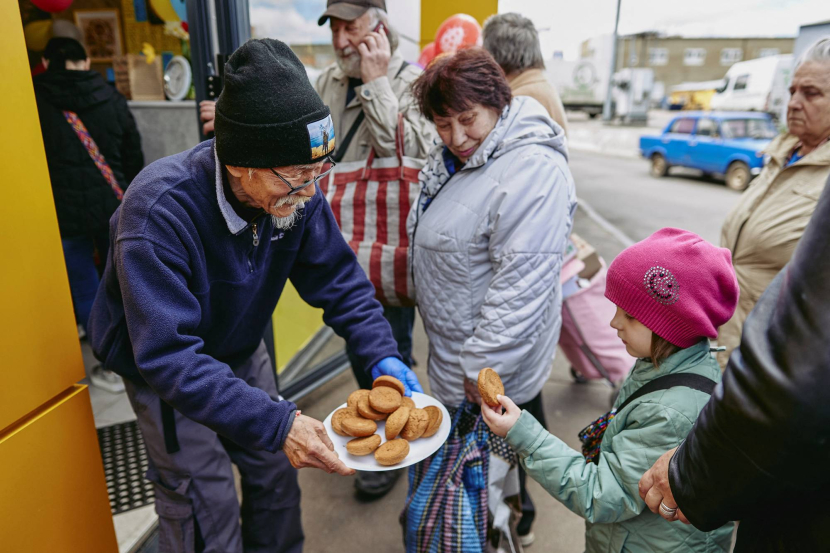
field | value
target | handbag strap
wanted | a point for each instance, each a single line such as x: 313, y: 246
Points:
x: 693, y: 381
x: 343, y: 146
x: 93, y: 151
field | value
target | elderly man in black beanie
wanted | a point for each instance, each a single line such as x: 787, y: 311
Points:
x: 204, y: 243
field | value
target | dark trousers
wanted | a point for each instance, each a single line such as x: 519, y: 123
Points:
x: 195, y: 492
x: 535, y: 408
x: 401, y: 319
x: 79, y: 255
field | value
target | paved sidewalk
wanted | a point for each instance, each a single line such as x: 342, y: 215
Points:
x: 593, y: 135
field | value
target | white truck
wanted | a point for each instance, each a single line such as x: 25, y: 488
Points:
x: 583, y: 84
x: 756, y: 85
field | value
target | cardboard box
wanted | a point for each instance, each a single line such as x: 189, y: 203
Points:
x: 586, y: 253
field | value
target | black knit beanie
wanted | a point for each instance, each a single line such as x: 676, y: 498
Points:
x: 268, y: 115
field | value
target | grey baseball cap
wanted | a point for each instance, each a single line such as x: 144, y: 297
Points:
x: 349, y: 10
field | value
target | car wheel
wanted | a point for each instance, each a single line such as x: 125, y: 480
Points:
x: 659, y: 166
x: 737, y: 176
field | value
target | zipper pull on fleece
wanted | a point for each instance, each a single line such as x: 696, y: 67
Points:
x: 256, y: 236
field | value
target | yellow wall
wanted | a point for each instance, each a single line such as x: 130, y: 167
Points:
x: 295, y: 323
x: 434, y: 12
x: 49, y: 461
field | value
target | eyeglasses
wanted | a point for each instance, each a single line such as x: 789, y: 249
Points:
x: 306, y: 184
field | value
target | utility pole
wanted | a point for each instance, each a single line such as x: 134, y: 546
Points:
x: 606, y: 108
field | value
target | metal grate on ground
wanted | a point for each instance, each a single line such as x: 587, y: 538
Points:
x: 125, y: 463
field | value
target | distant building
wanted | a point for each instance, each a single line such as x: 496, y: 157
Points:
x: 678, y: 60
x: 317, y: 56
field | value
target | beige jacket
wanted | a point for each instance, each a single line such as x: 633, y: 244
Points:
x: 534, y: 84
x: 764, y: 228
x: 381, y: 100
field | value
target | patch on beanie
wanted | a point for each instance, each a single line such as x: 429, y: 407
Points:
x: 661, y: 285
x: 321, y: 137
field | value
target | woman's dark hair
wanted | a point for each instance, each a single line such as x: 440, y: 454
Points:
x: 456, y: 82
x: 59, y: 50
x: 661, y: 349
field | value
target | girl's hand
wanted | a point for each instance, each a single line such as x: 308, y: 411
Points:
x: 501, y: 423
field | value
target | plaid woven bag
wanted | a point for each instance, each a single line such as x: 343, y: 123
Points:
x: 446, y: 505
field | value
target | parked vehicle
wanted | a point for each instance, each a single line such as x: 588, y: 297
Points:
x: 722, y: 143
x: 583, y: 84
x: 756, y: 85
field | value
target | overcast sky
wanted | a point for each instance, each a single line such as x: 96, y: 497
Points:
x: 566, y: 23
x: 569, y: 22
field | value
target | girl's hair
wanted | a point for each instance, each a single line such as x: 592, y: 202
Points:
x: 59, y: 50
x: 661, y: 349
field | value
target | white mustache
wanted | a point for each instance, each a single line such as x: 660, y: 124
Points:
x: 347, y: 52
x: 298, y: 201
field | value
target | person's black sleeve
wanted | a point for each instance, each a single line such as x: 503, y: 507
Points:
x: 132, y: 158
x: 766, y: 429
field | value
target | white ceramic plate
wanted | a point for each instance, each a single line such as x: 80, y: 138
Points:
x: 419, y: 450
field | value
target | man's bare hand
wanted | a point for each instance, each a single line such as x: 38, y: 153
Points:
x: 308, y: 445
x: 654, y: 489
x: 375, y: 53
x: 207, y: 114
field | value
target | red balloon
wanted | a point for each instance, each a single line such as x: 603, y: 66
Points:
x: 427, y: 55
x: 456, y: 32
x: 52, y: 5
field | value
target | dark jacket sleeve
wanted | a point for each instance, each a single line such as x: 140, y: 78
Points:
x: 326, y: 275
x: 766, y: 430
x: 132, y: 158
x: 162, y: 314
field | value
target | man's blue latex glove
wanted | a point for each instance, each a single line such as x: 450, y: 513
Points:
x: 392, y: 366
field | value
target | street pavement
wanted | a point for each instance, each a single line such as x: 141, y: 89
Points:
x: 619, y: 191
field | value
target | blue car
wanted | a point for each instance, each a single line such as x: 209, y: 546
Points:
x: 724, y: 143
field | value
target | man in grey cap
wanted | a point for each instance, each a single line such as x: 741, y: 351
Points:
x: 366, y: 89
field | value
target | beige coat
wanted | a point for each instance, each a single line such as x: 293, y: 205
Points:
x: 381, y: 100
x: 534, y: 84
x: 764, y: 228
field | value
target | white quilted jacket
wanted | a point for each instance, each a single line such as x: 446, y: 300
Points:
x: 486, y: 254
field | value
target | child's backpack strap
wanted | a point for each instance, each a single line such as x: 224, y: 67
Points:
x: 591, y: 435
x: 693, y: 381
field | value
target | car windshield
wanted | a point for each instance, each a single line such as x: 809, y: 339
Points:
x: 748, y: 128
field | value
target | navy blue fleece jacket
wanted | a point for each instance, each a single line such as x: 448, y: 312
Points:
x: 187, y: 293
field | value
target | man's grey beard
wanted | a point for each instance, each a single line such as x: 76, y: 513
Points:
x: 285, y: 223
x: 349, y: 62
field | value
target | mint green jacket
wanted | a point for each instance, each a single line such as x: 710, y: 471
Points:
x: 606, y: 494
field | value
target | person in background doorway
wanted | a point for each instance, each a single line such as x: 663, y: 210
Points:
x: 765, y: 226
x: 93, y: 150
x: 513, y: 42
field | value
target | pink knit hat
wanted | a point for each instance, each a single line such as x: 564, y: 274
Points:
x: 676, y: 284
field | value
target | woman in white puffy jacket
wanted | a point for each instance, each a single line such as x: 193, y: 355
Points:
x: 488, y: 232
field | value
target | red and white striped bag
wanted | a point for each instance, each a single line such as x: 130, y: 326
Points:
x: 371, y: 200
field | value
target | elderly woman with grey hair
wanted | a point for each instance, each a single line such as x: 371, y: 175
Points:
x: 513, y: 42
x: 767, y: 223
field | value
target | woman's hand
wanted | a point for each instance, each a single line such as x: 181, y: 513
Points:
x: 471, y: 391
x: 501, y: 423
x: 308, y: 445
